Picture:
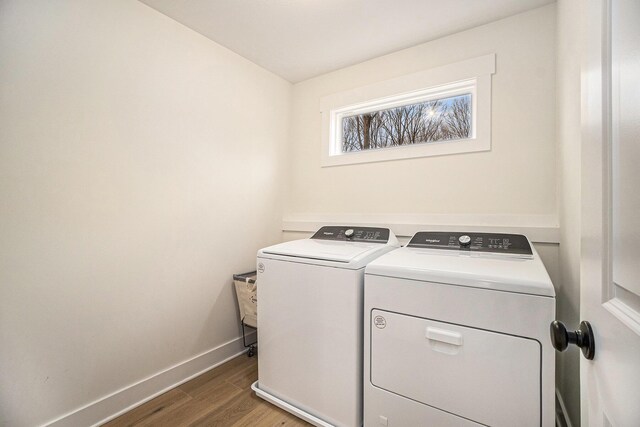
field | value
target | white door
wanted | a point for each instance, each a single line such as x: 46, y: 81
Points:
x: 610, y: 259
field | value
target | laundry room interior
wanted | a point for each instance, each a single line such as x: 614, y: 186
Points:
x: 153, y: 149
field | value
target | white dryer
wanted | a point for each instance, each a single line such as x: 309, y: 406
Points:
x: 457, y: 334
x: 310, y: 313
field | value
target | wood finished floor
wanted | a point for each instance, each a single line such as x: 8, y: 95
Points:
x: 220, y: 397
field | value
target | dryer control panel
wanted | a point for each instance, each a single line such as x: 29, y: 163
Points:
x: 514, y: 244
x: 353, y: 234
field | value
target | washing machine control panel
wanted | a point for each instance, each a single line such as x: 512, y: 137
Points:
x: 353, y: 234
x: 513, y: 244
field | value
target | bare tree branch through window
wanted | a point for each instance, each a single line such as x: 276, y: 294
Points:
x: 424, y: 122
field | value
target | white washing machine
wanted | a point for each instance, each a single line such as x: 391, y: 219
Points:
x: 457, y: 334
x: 310, y: 322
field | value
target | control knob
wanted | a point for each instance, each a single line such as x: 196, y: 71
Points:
x: 348, y: 233
x: 464, y: 240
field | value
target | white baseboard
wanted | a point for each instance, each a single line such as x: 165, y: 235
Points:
x: 131, y: 396
x: 538, y: 228
x: 563, y: 409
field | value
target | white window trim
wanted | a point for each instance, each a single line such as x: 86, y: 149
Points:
x: 470, y: 76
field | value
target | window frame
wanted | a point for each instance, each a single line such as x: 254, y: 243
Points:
x: 471, y: 76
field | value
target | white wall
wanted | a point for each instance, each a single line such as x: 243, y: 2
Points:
x: 568, y: 135
x: 140, y: 166
x: 515, y: 184
x: 517, y: 177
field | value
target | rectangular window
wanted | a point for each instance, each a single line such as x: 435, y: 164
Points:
x: 444, y: 110
x: 443, y: 119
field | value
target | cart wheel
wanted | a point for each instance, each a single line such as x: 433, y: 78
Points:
x: 250, y: 352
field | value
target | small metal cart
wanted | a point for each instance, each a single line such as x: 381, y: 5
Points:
x: 246, y: 292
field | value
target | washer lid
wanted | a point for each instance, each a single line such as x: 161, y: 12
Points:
x: 322, y: 249
x: 330, y: 244
x: 466, y: 268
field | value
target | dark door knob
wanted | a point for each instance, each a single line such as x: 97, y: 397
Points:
x: 582, y: 337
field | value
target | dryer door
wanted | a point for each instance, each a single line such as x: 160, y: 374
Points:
x: 487, y: 377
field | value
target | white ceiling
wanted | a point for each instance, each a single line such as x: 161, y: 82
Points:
x: 300, y: 39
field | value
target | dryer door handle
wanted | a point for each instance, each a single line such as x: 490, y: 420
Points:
x: 443, y: 335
